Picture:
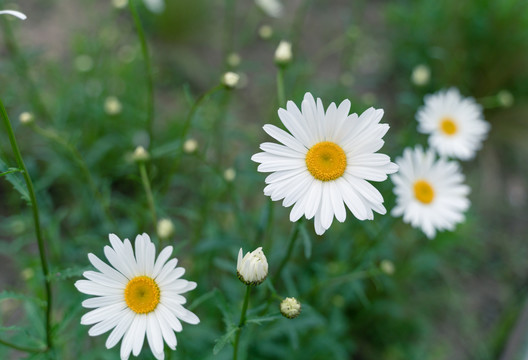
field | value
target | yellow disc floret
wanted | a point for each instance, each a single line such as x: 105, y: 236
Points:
x: 423, y: 191
x: 448, y: 126
x: 142, y: 294
x: 326, y: 161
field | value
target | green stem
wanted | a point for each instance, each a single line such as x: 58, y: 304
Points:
x: 54, y: 136
x: 148, y: 192
x: 22, y: 348
x: 286, y: 257
x: 280, y: 86
x: 242, y: 321
x: 148, y: 70
x: 36, y: 219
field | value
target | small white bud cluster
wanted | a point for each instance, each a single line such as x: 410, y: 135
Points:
x: 230, y: 79
x: 290, y: 307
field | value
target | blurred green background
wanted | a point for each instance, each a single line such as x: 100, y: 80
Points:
x: 459, y: 296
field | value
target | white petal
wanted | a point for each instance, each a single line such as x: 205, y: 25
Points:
x: 18, y: 14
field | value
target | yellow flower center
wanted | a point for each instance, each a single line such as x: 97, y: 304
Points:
x: 423, y: 191
x: 326, y: 161
x: 448, y: 126
x: 142, y: 294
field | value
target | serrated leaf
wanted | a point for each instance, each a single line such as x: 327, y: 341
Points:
x: 222, y: 341
x: 15, y: 180
x: 16, y: 296
x: 307, y: 241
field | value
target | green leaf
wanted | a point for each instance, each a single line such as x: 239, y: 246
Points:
x: 68, y: 273
x: 15, y: 180
x: 221, y: 342
x: 10, y: 171
x: 16, y: 296
x: 307, y: 241
x: 263, y: 319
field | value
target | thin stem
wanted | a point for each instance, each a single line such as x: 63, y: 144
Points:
x: 36, y: 219
x: 22, y: 348
x: 190, y: 115
x: 242, y: 321
x: 54, y: 136
x: 293, y: 237
x: 280, y: 86
x: 148, y: 69
x: 148, y: 191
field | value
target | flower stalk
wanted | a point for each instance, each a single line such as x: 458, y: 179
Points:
x: 242, y: 321
x: 36, y: 219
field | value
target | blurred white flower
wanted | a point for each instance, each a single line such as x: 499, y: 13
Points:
x: 455, y: 125
x: 112, y: 105
x: 283, y: 53
x: 140, y: 154
x: 156, y: 6
x: 230, y: 79
x: 26, y: 118
x: 325, y: 162
x: 430, y: 193
x: 252, y: 269
x: 190, y: 146
x: 137, y: 295
x: 273, y: 8
x: 229, y: 174
x: 420, y: 75
x: 265, y: 32
x: 18, y: 14
x: 165, y: 228
x: 290, y: 307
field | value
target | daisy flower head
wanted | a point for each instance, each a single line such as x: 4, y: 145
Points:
x: 430, y: 193
x: 325, y: 162
x: 455, y: 125
x: 252, y: 268
x: 136, y: 295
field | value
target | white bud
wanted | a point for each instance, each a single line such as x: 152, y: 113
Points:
x: 140, y: 154
x: 229, y: 174
x: 283, y: 54
x: 387, y: 267
x: 290, y: 307
x: 233, y: 59
x: 112, y: 105
x: 165, y: 228
x: 230, y: 79
x: 420, y: 75
x: 265, y: 32
x: 26, y: 118
x: 272, y: 8
x: 252, y: 269
x: 119, y: 4
x: 190, y: 146
x: 505, y: 98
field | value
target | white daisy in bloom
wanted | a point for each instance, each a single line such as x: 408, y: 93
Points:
x: 455, y: 124
x: 430, y: 193
x: 18, y: 14
x: 325, y: 162
x: 137, y: 295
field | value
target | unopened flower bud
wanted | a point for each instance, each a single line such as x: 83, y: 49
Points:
x: 505, y: 98
x: 265, y: 32
x: 26, y: 118
x: 165, y: 228
x: 387, y: 267
x: 290, y: 307
x: 233, y: 59
x: 190, y: 146
x: 112, y: 105
x: 421, y: 75
x: 229, y: 174
x: 273, y: 8
x: 119, y: 4
x: 283, y: 54
x: 230, y: 79
x: 140, y: 154
x: 252, y: 269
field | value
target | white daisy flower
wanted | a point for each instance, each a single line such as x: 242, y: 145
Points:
x: 456, y: 125
x: 18, y: 14
x: 430, y: 193
x: 326, y: 161
x: 137, y: 295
